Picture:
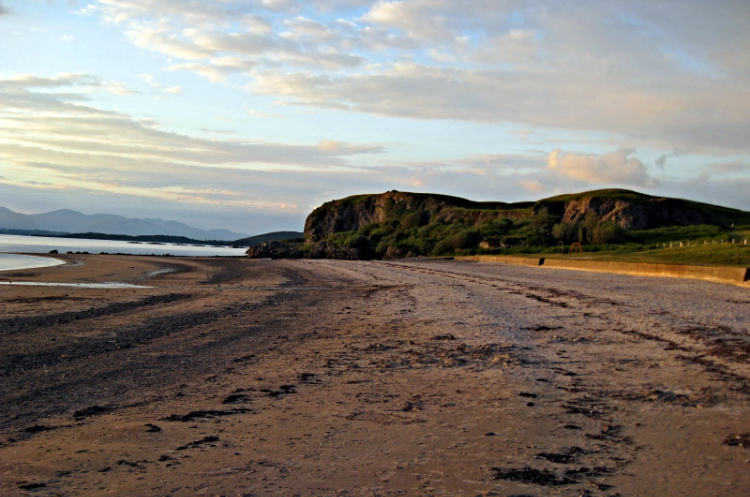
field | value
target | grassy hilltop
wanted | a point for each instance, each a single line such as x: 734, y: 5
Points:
x: 402, y: 224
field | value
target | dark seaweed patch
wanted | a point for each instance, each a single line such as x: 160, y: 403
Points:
x: 533, y: 476
x: 198, y: 443
x: 740, y: 440
x: 204, y: 414
x: 91, y: 411
x: 569, y: 456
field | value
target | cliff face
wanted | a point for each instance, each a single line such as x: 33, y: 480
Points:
x: 401, y: 224
x: 627, y: 209
x: 352, y: 213
x: 639, y: 212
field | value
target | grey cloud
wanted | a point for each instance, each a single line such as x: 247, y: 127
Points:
x: 75, y: 144
x: 417, y: 91
x: 727, y: 168
x: 72, y: 127
x: 32, y: 81
x: 661, y: 161
x: 674, y: 81
x: 704, y: 188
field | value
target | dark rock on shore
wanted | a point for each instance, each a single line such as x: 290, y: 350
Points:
x: 320, y: 250
x: 273, y: 250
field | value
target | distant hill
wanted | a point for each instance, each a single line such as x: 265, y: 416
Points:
x: 68, y: 221
x: 398, y: 224
x: 268, y: 237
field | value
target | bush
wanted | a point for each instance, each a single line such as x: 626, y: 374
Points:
x: 415, y: 219
x: 466, y: 239
x: 567, y: 232
x: 606, y: 233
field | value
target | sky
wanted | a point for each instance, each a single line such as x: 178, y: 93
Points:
x: 247, y: 114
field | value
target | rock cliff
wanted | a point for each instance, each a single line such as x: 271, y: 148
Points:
x: 636, y: 211
x: 401, y: 224
x: 352, y: 213
x: 629, y: 210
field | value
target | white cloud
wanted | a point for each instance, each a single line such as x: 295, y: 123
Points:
x: 727, y: 168
x: 534, y: 186
x: 56, y: 135
x: 614, y: 168
x: 620, y: 67
x: 207, y: 71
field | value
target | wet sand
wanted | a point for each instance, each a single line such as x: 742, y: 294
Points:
x: 242, y: 377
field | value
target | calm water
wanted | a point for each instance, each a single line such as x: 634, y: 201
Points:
x: 42, y: 245
x: 13, y: 262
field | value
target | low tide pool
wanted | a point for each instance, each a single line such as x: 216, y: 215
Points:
x: 43, y: 245
x: 112, y: 285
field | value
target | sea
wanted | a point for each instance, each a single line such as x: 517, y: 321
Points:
x: 11, y: 245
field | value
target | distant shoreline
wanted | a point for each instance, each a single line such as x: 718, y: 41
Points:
x: 159, y: 239
x: 123, y: 238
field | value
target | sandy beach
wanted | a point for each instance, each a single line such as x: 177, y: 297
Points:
x: 238, y: 377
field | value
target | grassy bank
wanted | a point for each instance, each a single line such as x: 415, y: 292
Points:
x: 725, y: 254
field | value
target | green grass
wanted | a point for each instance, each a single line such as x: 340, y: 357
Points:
x: 726, y: 254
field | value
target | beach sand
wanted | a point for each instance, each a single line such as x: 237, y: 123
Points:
x: 241, y: 377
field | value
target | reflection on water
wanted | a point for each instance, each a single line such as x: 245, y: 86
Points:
x: 13, y: 262
x: 73, y: 285
x: 42, y: 245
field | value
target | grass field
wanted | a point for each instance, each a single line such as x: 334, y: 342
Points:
x: 726, y: 254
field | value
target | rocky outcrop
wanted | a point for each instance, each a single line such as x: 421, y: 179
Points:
x: 629, y: 210
x: 325, y: 250
x: 319, y: 250
x: 273, y: 250
x: 474, y: 217
x: 352, y: 213
x: 635, y: 211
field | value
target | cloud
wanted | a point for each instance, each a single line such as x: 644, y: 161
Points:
x: 205, y: 70
x: 730, y: 192
x: 149, y: 80
x: 727, y: 167
x: 620, y: 67
x: 661, y: 161
x: 335, y: 147
x: 614, y: 168
x: 533, y: 185
x: 3, y: 10
x: 48, y: 133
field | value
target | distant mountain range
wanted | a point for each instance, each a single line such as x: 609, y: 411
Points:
x: 68, y: 221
